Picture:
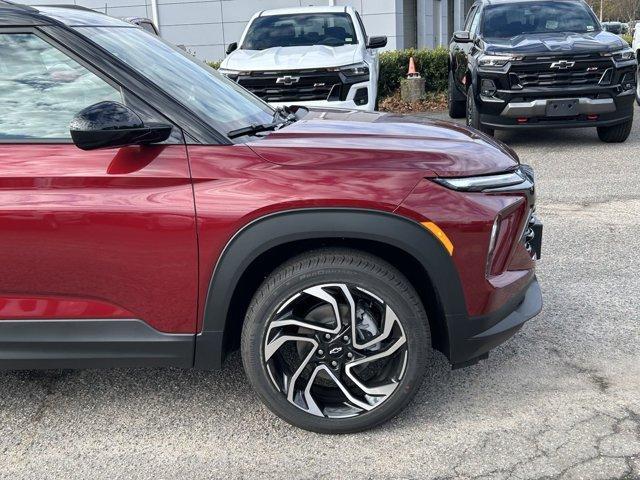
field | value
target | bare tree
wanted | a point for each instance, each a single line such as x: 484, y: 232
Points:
x: 618, y: 10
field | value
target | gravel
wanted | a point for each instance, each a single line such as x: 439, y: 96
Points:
x: 560, y: 400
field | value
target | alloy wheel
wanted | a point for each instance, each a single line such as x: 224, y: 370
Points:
x: 335, y: 350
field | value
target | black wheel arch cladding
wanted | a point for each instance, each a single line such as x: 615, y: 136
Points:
x: 272, y: 231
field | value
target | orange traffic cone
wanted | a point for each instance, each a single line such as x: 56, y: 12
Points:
x: 412, y: 69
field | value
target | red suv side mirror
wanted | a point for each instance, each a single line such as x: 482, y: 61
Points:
x: 113, y: 125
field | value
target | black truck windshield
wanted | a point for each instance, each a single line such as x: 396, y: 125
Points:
x: 510, y: 20
x: 300, y: 30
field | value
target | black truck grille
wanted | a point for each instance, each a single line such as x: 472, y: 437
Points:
x: 292, y: 86
x: 583, y: 71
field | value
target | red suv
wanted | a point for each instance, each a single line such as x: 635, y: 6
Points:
x: 154, y: 213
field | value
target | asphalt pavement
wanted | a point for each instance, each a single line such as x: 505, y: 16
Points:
x: 560, y: 400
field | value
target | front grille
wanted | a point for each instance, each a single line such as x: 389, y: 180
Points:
x: 586, y: 70
x: 292, y: 86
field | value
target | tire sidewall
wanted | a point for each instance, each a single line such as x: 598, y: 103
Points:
x: 412, y: 321
x: 471, y: 111
x: 638, y: 85
x: 450, y: 91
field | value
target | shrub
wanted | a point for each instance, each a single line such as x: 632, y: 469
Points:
x: 215, y: 65
x: 433, y: 66
x: 627, y: 38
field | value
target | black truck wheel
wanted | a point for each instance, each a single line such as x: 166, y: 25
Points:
x: 473, y: 116
x: 617, y: 133
x: 457, y: 108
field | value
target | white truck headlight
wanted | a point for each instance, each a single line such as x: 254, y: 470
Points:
x: 355, y: 70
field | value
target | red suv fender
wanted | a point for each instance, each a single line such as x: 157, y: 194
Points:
x: 275, y: 230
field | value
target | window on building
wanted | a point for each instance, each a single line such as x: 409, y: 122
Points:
x: 410, y: 23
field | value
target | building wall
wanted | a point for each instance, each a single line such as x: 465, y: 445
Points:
x: 205, y: 27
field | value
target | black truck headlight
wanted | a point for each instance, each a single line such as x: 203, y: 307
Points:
x: 495, y: 61
x: 624, y: 55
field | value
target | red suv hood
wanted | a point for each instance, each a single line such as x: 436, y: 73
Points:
x: 336, y: 139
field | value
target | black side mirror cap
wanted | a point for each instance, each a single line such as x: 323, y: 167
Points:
x: 232, y: 47
x: 113, y: 125
x: 462, y: 36
x: 377, y: 42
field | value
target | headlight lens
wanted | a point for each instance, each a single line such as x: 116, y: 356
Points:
x: 356, y: 70
x: 623, y: 55
x: 228, y: 72
x: 479, y: 184
x: 495, y: 61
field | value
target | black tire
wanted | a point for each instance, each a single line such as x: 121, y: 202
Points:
x: 473, y: 117
x: 617, y: 133
x: 457, y: 108
x: 331, y: 266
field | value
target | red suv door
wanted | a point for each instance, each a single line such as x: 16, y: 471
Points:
x: 106, y: 234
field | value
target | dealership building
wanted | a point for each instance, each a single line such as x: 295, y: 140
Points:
x: 204, y: 27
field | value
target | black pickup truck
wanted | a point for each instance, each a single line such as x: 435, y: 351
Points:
x: 538, y: 63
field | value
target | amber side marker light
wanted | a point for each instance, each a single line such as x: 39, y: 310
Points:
x: 440, y: 235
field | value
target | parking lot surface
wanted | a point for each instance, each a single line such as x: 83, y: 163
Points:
x: 560, y: 400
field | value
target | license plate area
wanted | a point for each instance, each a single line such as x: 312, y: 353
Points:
x: 562, y: 108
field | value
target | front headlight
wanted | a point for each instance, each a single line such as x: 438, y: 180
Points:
x: 228, y: 72
x: 624, y: 55
x: 356, y: 70
x: 495, y: 61
x: 482, y: 183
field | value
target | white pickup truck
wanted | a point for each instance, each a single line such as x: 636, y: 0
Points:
x: 311, y: 56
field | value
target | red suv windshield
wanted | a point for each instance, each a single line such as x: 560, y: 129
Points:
x: 221, y: 102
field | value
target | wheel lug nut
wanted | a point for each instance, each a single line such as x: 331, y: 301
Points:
x: 320, y: 352
x: 327, y: 336
x: 334, y: 364
x: 346, y: 338
x: 350, y: 355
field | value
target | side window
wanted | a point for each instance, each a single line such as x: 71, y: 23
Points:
x: 364, y: 30
x: 470, y: 18
x: 41, y: 89
x: 475, y: 23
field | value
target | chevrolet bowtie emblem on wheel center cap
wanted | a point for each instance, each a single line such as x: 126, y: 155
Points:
x: 288, y: 80
x: 335, y: 351
x: 563, y: 64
